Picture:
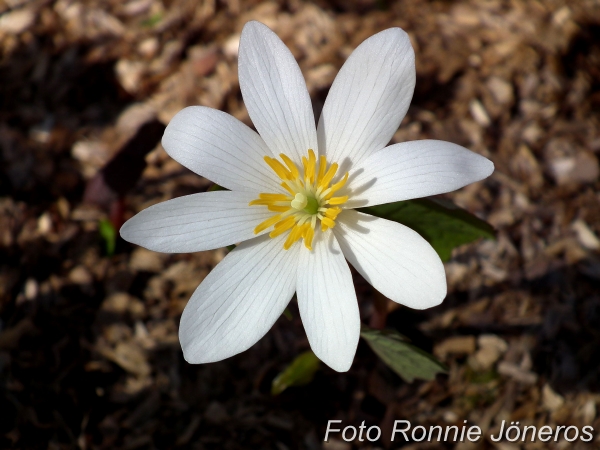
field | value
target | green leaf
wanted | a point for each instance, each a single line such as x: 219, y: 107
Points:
x: 216, y: 187
x: 443, y: 224
x: 408, y: 361
x: 109, y: 235
x: 300, y: 372
x: 288, y: 314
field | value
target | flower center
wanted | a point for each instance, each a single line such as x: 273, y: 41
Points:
x: 310, y: 199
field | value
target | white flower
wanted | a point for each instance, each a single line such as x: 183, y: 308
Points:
x: 286, y: 179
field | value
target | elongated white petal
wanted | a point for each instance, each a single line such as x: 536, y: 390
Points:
x: 219, y: 147
x: 327, y: 303
x: 275, y: 93
x: 368, y: 99
x: 396, y: 260
x: 195, y: 222
x: 415, y: 169
x: 239, y: 301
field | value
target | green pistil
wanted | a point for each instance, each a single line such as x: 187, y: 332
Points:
x: 312, y: 206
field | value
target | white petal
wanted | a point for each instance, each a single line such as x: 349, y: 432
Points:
x: 219, y: 147
x: 396, y: 260
x: 275, y: 93
x: 197, y: 222
x: 368, y: 98
x: 239, y: 301
x: 327, y: 303
x: 415, y: 169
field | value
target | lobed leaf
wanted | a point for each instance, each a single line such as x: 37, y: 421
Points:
x: 301, y: 371
x: 408, y: 361
x: 443, y: 224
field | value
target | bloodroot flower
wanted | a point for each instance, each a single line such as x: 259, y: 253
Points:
x: 291, y: 192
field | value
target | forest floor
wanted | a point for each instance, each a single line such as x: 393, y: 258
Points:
x: 89, y: 353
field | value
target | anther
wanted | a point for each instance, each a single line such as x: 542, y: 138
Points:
x: 309, y: 198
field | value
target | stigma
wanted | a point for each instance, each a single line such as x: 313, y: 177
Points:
x: 309, y: 200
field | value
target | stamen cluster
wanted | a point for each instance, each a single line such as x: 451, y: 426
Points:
x: 310, y: 198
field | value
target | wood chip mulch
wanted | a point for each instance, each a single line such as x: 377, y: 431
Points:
x: 89, y: 354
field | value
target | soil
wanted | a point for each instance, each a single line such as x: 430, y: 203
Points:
x: 89, y: 354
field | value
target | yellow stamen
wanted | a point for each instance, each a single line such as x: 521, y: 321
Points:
x: 337, y: 186
x: 266, y: 224
x: 329, y: 175
x: 292, y: 237
x: 309, y: 234
x: 312, y: 162
x: 259, y: 203
x: 283, y: 226
x: 338, y: 200
x: 322, y: 167
x: 287, y: 222
x: 276, y: 208
x: 328, y: 222
x: 308, y: 198
x: 332, y: 213
x: 287, y: 188
x: 278, y: 168
x: 290, y: 164
x: 277, y: 197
